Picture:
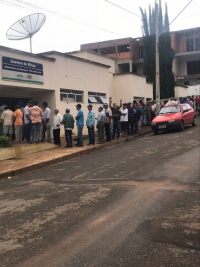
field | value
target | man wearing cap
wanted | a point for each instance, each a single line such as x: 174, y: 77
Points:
x: 100, y: 125
x: 90, y: 123
x: 108, y: 114
x: 68, y: 122
x: 80, y: 124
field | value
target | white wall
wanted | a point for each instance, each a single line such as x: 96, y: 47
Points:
x: 126, y: 86
x: 180, y: 91
x: 193, y: 90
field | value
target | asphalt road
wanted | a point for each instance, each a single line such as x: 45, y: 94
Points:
x: 132, y: 205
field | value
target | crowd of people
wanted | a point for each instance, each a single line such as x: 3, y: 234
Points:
x: 111, y: 122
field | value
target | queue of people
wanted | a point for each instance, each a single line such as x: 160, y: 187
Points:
x: 113, y: 121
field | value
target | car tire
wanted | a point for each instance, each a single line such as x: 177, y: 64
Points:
x: 155, y: 132
x: 194, y: 122
x: 182, y: 128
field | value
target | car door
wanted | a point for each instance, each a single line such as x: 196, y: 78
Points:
x: 190, y: 114
x: 185, y: 114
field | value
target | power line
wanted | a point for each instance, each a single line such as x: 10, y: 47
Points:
x: 52, y: 12
x: 123, y: 8
x: 180, y: 12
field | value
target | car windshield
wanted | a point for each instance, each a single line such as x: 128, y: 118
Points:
x: 168, y: 110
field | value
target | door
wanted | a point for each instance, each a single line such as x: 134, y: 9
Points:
x: 190, y: 114
x: 185, y: 115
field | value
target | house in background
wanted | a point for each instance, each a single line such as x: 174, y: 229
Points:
x: 128, y: 54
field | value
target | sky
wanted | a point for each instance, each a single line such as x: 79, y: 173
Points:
x: 68, y: 30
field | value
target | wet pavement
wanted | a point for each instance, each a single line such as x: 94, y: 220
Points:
x: 133, y: 204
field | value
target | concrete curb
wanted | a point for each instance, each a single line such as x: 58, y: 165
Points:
x: 4, y: 175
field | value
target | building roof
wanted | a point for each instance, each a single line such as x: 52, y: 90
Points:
x: 74, y: 57
x: 5, y: 48
x: 92, y: 52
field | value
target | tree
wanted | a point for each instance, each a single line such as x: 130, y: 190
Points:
x: 167, y: 81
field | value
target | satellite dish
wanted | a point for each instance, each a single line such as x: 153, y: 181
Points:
x: 26, y: 27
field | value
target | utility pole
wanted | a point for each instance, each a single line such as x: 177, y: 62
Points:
x: 157, y: 65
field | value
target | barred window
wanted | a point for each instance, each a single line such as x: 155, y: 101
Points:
x: 94, y: 97
x: 68, y: 95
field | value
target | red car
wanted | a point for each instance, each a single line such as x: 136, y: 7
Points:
x: 174, y: 117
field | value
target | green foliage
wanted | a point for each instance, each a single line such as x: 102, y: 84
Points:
x: 167, y: 81
x: 4, y: 141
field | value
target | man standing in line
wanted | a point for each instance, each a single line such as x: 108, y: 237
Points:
x: 18, y: 122
x: 101, y: 125
x: 153, y: 110
x: 46, y: 122
x: 2, y: 106
x: 57, y: 120
x: 138, y: 115
x: 131, y: 112
x: 90, y: 123
x: 116, y: 122
x: 144, y: 114
x: 80, y: 124
x: 27, y: 121
x: 36, y: 117
x: 68, y: 122
x: 108, y: 114
x: 124, y: 120
x: 7, y: 121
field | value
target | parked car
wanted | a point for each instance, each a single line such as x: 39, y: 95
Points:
x: 174, y: 117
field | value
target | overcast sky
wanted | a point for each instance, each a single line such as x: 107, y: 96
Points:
x: 65, y: 35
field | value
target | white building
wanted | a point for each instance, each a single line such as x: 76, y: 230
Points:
x: 65, y: 79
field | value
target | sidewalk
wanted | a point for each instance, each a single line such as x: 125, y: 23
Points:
x: 19, y: 165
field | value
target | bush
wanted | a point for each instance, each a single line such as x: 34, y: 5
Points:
x: 4, y: 141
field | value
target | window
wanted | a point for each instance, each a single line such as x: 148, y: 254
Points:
x: 138, y: 98
x: 190, y: 45
x: 188, y: 107
x: 97, y: 98
x: 193, y: 44
x: 107, y: 50
x: 170, y: 109
x: 94, y: 50
x: 71, y: 95
x: 123, y: 48
x: 185, y: 108
x: 141, y: 52
x: 193, y: 67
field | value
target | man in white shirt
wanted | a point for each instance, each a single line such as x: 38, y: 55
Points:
x: 7, y: 120
x: 124, y: 119
x: 57, y: 119
x: 153, y: 110
x: 108, y: 118
x: 27, y: 121
x: 2, y: 106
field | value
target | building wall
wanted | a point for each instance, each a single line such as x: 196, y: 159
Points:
x: 180, y: 91
x: 193, y: 90
x: 66, y: 73
x: 128, y: 86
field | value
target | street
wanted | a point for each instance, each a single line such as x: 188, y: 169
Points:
x: 134, y: 204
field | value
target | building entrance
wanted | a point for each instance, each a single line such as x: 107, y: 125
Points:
x: 12, y: 102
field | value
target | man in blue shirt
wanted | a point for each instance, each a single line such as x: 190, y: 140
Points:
x: 80, y: 124
x: 90, y: 123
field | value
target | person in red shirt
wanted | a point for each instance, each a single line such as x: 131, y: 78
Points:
x: 197, y: 101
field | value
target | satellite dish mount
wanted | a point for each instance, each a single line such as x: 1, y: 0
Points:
x: 26, y: 27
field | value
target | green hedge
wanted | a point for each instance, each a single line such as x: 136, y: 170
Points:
x: 4, y: 141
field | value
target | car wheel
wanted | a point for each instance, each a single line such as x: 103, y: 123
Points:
x: 155, y: 132
x: 182, y: 128
x: 194, y: 122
